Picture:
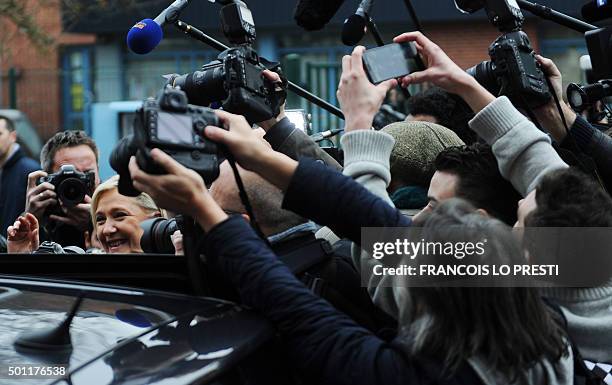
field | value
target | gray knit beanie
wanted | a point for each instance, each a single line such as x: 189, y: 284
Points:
x: 417, y: 144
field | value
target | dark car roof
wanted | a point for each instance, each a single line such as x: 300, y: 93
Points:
x: 129, y: 335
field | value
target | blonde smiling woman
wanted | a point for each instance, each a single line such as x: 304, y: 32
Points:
x: 116, y: 218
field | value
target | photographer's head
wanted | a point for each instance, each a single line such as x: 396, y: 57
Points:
x: 8, y: 137
x: 64, y: 208
x: 438, y: 106
x: 265, y: 199
x: 566, y: 198
x: 116, y: 218
x: 70, y: 147
x: 417, y: 144
x: 471, y: 172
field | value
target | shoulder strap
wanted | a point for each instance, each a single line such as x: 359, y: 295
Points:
x: 305, y: 257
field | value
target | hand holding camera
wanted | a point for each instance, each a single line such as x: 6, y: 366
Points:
x: 39, y: 196
x: 548, y: 114
x: 73, y: 189
x: 179, y: 189
x: 444, y: 73
x: 251, y: 151
x: 62, y: 197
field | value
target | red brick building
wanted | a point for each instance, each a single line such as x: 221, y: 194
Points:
x: 37, y: 69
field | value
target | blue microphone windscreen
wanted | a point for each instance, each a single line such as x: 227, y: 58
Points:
x: 144, y: 36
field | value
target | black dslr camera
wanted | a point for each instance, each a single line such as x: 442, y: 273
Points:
x: 236, y: 78
x: 513, y: 70
x: 71, y: 185
x: 175, y: 127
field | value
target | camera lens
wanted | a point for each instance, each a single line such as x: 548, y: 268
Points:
x: 156, y: 236
x: 203, y: 87
x: 485, y: 75
x: 119, y: 160
x: 71, y: 192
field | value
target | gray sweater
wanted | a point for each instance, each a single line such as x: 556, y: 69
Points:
x: 524, y: 155
x: 366, y: 155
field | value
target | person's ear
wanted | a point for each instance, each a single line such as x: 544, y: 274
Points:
x: 246, y: 217
x: 483, y: 212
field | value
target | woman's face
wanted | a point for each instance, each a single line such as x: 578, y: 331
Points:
x: 118, y: 223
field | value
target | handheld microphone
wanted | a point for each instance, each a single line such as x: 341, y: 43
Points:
x: 387, y: 109
x: 312, y: 15
x: 597, y: 10
x: 325, y: 134
x: 145, y: 35
x: 355, y: 26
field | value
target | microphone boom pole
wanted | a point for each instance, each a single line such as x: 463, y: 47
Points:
x: 204, y: 38
x: 556, y: 16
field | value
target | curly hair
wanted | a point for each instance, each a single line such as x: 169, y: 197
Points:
x: 61, y: 140
x: 480, y: 181
x: 449, y: 110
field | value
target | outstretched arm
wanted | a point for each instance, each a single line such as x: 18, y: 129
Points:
x: 523, y: 152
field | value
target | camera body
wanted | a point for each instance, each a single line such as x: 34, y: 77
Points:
x: 175, y: 127
x: 235, y: 80
x: 71, y: 185
x: 513, y: 71
x: 48, y: 247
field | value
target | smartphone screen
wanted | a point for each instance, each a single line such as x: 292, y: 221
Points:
x: 390, y: 61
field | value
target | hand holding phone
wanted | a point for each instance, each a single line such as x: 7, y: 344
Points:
x: 391, y: 61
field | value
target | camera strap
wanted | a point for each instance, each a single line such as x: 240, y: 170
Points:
x: 244, y: 198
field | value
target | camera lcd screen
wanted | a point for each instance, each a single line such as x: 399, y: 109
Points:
x: 253, y: 74
x: 529, y: 64
x: 174, y: 128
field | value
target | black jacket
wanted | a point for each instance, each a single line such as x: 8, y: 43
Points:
x: 592, y: 142
x: 13, y: 186
x: 333, y: 277
x: 285, y: 138
x: 320, y: 341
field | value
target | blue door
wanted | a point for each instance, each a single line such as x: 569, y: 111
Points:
x: 77, y: 90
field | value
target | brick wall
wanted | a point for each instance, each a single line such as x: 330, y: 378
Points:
x: 38, y: 84
x: 468, y: 43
